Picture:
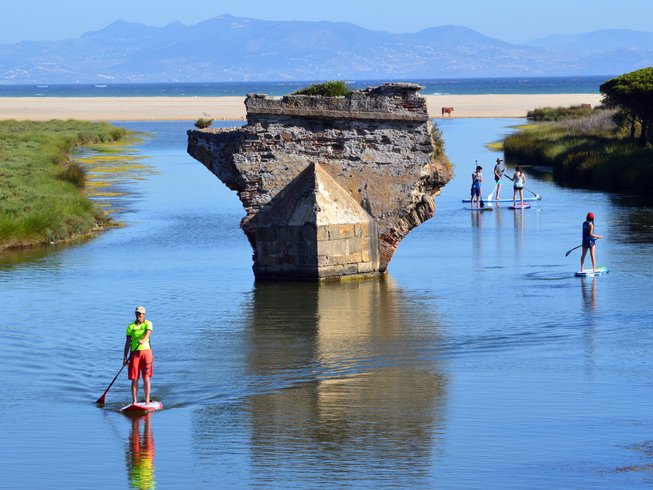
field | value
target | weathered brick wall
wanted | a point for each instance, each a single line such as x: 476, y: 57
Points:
x: 376, y: 145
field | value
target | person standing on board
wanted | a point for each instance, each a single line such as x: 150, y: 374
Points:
x: 498, y: 173
x: 589, y: 241
x: 141, y: 359
x: 519, y: 179
x: 477, y: 178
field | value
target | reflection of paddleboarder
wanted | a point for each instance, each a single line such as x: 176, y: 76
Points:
x: 140, y: 457
x: 589, y: 241
x: 589, y: 293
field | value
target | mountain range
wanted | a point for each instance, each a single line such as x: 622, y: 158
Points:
x: 228, y: 48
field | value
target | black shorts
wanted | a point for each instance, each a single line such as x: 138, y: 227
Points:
x: 589, y: 243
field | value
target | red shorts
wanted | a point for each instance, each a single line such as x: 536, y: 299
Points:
x: 141, y: 362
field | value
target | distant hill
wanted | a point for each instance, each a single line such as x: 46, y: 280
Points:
x: 229, y: 48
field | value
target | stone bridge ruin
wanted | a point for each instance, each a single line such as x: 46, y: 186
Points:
x: 330, y: 185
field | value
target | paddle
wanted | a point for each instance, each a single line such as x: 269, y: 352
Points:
x: 104, y: 395
x: 489, y: 197
x: 571, y: 250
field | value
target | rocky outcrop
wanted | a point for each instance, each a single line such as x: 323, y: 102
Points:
x: 306, y: 167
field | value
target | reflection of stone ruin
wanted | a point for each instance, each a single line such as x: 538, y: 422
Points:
x: 331, y: 185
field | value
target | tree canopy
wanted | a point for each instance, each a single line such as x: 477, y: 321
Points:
x: 633, y: 92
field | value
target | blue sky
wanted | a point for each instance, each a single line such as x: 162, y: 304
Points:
x: 508, y: 20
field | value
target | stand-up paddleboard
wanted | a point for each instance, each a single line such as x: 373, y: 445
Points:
x: 589, y: 272
x: 520, y: 206
x: 142, y: 407
x: 508, y: 199
x: 486, y: 208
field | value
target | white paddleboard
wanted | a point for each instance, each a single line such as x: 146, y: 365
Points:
x: 507, y: 199
x: 142, y: 407
x: 589, y: 272
x: 520, y: 206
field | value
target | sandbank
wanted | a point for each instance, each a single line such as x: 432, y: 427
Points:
x: 233, y: 108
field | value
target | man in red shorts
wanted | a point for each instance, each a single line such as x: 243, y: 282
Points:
x: 140, y: 362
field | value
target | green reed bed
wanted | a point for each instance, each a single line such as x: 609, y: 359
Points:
x: 42, y: 196
x: 589, y: 151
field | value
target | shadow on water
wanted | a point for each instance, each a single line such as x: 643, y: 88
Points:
x: 352, y: 378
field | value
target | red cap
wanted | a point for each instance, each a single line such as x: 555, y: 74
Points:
x: 590, y: 215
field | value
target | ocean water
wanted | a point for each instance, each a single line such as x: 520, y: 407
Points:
x: 479, y: 362
x: 458, y: 86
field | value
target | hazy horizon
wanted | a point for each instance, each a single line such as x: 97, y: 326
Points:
x: 501, y: 19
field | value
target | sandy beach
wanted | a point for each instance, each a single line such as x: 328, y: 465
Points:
x: 232, y: 108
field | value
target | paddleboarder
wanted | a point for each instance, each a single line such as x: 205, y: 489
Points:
x: 141, y: 360
x: 519, y: 179
x: 477, y: 178
x: 498, y: 173
x: 589, y: 241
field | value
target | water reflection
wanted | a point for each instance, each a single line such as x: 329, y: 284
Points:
x: 588, y: 288
x: 477, y: 236
x: 140, y: 453
x: 634, y: 225
x: 372, y: 395
x: 520, y: 231
x: 350, y: 386
x: 588, y: 291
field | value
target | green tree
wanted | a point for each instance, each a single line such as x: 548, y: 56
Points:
x: 633, y: 93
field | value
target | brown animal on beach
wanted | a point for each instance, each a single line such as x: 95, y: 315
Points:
x: 586, y: 106
x: 447, y: 110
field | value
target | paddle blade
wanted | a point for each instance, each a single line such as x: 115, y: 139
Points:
x: 569, y: 251
x: 482, y: 203
x: 102, y: 399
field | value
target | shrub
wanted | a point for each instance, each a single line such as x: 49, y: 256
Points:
x: 438, y: 140
x: 203, y: 123
x: 557, y: 113
x: 74, y: 173
x: 333, y: 88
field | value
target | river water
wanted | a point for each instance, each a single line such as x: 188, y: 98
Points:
x: 479, y: 362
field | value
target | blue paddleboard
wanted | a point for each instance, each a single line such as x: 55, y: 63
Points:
x: 520, y: 206
x: 589, y: 272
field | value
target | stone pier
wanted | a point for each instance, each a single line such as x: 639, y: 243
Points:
x: 330, y: 185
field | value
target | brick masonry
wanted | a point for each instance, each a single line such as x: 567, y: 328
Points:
x: 374, y: 146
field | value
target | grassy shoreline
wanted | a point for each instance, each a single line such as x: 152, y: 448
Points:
x: 585, y: 152
x: 42, y: 195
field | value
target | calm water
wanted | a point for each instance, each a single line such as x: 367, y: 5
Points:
x: 460, y: 86
x: 480, y: 362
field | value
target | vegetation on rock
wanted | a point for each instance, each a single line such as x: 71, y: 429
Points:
x: 203, y: 123
x: 333, y: 88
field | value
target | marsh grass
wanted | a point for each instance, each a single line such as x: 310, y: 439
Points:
x: 585, y: 152
x: 42, y: 196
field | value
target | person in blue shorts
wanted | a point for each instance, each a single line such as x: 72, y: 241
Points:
x: 589, y: 241
x: 477, y: 178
